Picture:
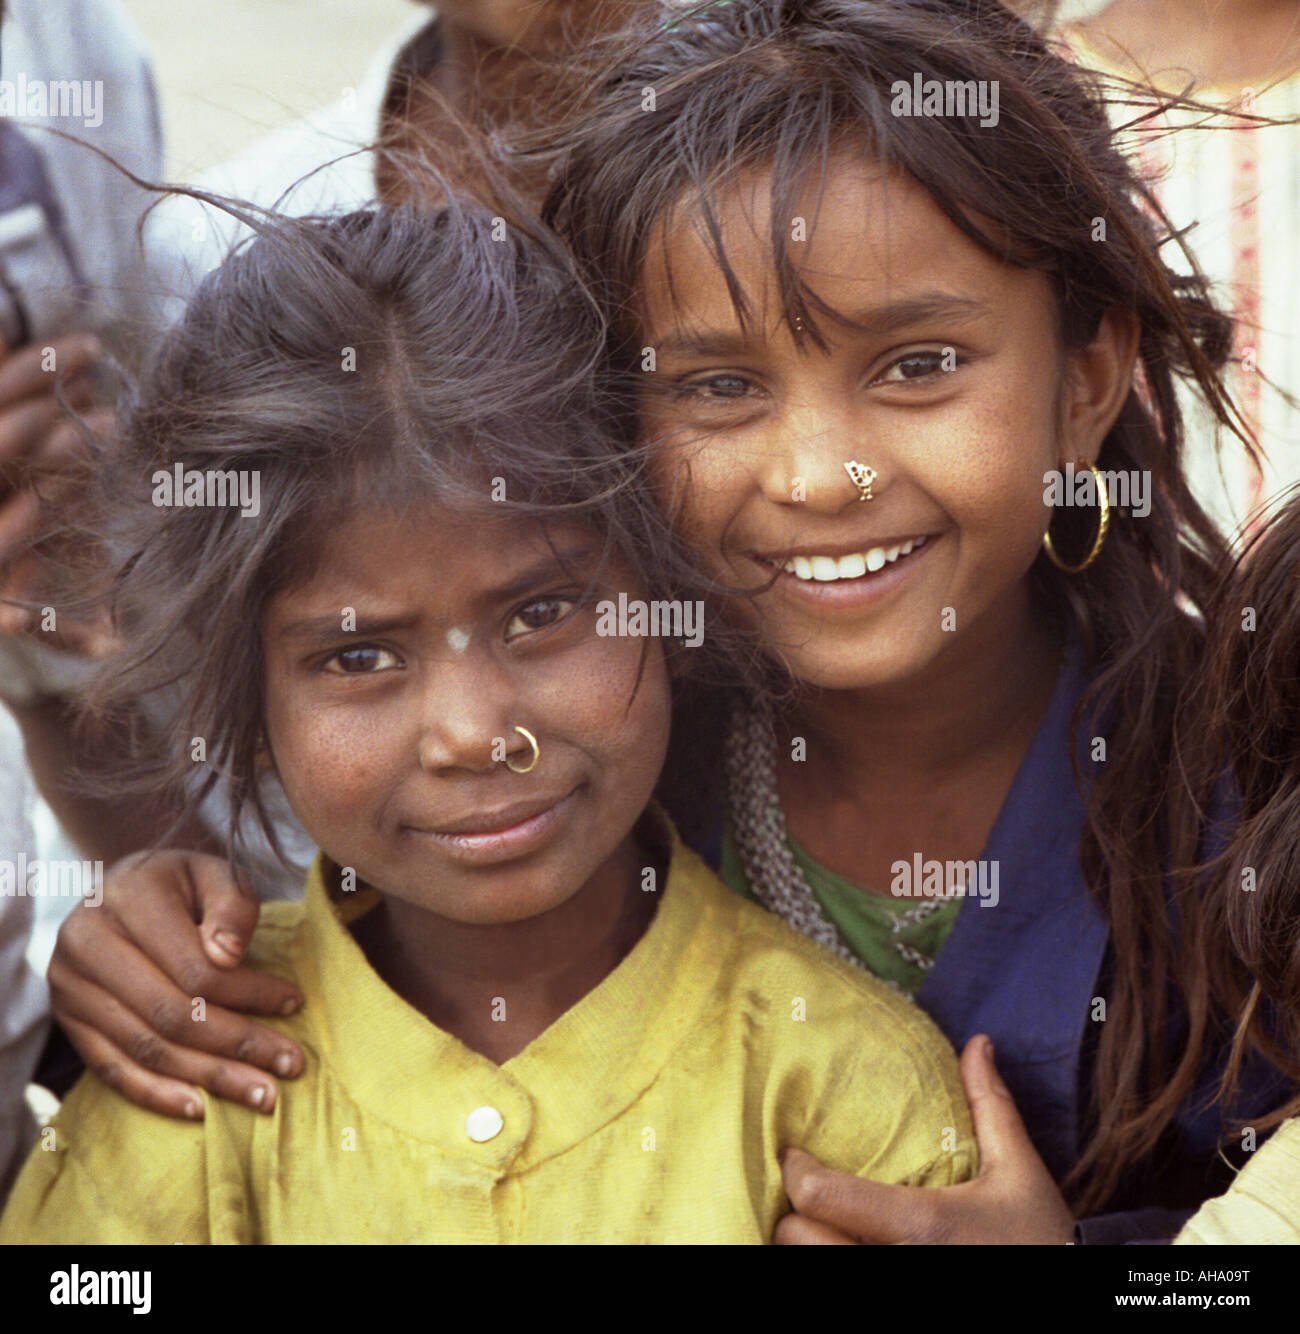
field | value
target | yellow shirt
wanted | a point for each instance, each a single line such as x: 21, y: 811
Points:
x: 654, y: 1110
x: 1262, y: 1207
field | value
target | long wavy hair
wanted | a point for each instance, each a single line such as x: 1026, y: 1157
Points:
x: 778, y: 86
x: 1247, y: 703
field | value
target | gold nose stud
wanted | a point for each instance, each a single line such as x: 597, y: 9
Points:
x: 862, y: 477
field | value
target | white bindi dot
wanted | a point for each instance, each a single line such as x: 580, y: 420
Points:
x: 458, y: 640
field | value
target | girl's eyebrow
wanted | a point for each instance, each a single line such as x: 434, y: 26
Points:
x: 541, y: 571
x: 886, y: 319
x: 917, y: 310
x: 331, y: 625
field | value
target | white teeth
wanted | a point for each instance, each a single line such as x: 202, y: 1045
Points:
x: 827, y: 569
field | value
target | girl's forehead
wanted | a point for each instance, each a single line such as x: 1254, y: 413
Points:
x: 397, y: 553
x: 489, y: 534
x: 860, y: 239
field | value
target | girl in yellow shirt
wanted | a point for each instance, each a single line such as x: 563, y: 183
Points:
x: 384, y: 538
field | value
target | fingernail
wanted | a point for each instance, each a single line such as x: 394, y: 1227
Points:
x: 988, y: 1047
x: 194, y: 1109
x: 290, y: 1006
x: 258, y: 1096
x: 228, y: 941
x: 284, y: 1064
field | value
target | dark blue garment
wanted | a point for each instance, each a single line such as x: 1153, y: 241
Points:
x: 1026, y: 971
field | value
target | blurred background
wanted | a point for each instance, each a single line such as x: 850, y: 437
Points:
x: 229, y: 71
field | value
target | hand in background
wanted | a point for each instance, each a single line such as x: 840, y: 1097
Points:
x: 40, y: 445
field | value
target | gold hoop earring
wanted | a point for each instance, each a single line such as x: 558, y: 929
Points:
x: 537, y: 752
x: 861, y: 475
x: 1103, y: 525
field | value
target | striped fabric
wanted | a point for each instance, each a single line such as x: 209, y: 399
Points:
x: 1237, y: 186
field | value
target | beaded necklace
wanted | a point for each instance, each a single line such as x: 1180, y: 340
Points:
x: 762, y: 841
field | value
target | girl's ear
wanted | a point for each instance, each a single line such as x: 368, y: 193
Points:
x: 1098, y: 380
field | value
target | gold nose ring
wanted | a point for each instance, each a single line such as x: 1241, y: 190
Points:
x: 862, y: 477
x: 537, y: 752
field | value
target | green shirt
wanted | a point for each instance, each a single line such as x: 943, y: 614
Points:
x: 874, y: 926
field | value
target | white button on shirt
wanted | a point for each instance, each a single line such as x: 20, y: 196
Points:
x: 483, y: 1123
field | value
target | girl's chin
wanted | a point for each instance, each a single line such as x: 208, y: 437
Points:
x: 855, y: 667
x: 495, y: 907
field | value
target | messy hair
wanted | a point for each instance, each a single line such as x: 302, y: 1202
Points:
x: 778, y: 88
x: 394, y: 357
x: 1248, y: 704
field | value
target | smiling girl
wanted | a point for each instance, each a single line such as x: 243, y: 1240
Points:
x: 533, y: 1015
x: 877, y: 341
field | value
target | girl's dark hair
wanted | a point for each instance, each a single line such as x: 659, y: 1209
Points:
x: 778, y: 86
x: 397, y: 357
x: 1250, y: 695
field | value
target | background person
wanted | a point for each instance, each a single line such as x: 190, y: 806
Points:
x: 74, y: 283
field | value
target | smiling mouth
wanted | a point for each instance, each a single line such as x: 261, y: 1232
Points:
x: 513, y: 831
x: 496, y: 822
x: 831, y: 569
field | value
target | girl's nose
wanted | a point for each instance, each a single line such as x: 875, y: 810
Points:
x: 464, y: 718
x: 807, y: 448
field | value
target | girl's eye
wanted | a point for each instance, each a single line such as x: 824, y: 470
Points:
x: 537, y: 616
x: 722, y: 387
x: 362, y: 660
x: 920, y: 366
